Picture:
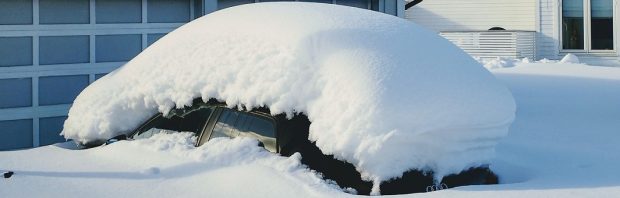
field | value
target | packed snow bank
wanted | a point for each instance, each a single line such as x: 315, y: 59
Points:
x: 381, y: 92
x: 165, y: 165
x: 570, y: 58
x: 502, y: 62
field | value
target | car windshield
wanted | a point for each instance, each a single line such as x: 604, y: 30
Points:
x: 192, y: 120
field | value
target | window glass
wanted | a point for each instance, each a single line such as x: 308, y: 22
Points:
x: 259, y: 125
x: 18, y: 48
x: 233, y: 123
x: 151, y: 38
x: 374, y: 5
x: 224, y: 125
x: 168, y: 11
x: 98, y: 76
x: 602, y: 25
x: 118, y: 11
x: 391, y: 7
x: 63, y: 49
x: 354, y: 3
x: 117, y: 48
x: 572, y: 24
x: 15, y: 12
x: 192, y: 121
x: 198, y: 9
x: 221, y: 4
x: 15, y: 92
x: 60, y: 89
x: 49, y: 130
x: 64, y: 11
x: 319, y: 1
x: 16, y: 134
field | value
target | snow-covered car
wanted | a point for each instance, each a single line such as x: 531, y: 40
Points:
x: 285, y: 136
x: 372, y: 101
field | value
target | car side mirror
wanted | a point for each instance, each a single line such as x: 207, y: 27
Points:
x: 116, y: 139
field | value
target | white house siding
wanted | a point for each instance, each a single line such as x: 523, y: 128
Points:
x: 541, y: 16
x: 547, y: 40
x: 548, y: 37
x: 470, y: 15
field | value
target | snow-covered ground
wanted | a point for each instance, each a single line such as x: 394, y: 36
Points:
x: 565, y: 142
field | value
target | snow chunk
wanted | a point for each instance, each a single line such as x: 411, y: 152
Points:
x: 381, y: 92
x: 570, y: 58
x: 501, y: 62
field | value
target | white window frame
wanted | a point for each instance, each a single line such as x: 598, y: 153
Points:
x: 587, y: 18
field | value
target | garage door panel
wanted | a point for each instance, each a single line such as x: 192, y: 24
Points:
x: 15, y: 12
x: 18, y: 48
x: 64, y: 11
x: 64, y: 49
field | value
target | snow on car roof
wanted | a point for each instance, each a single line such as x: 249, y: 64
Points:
x: 381, y: 92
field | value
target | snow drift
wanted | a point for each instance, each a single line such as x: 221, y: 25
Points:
x: 381, y: 92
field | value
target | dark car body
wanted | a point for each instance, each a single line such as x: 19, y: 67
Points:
x: 285, y: 136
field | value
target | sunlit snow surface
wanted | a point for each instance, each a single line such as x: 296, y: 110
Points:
x: 563, y: 143
x: 381, y: 92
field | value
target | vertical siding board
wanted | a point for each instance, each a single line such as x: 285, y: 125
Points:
x: 474, y: 15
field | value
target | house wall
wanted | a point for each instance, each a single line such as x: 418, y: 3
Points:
x: 541, y: 16
x: 547, y: 37
x: 450, y: 15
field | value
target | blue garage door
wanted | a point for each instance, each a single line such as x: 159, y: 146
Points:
x: 52, y: 49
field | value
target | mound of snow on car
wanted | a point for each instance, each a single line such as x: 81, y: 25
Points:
x: 381, y: 92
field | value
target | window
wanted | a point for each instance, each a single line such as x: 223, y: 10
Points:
x: 98, y: 76
x: 391, y: 6
x: 18, y: 48
x: 118, y: 11
x: 180, y: 121
x: 117, y: 48
x: 168, y: 11
x: 55, y: 90
x: 587, y: 25
x: 198, y: 9
x: 64, y: 11
x: 602, y: 24
x: 233, y: 123
x: 63, y: 49
x: 16, y: 134
x: 221, y: 4
x: 319, y: 1
x: 151, y: 38
x: 15, y: 12
x: 49, y: 130
x: 572, y: 24
x: 354, y: 3
x: 15, y: 92
x: 225, y: 124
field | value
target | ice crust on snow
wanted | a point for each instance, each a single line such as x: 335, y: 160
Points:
x: 381, y: 92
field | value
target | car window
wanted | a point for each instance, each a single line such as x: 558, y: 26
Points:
x: 224, y: 125
x: 191, y: 121
x: 234, y: 123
